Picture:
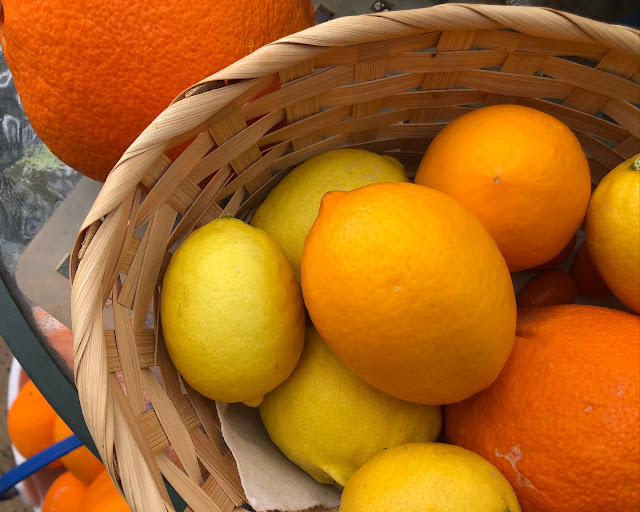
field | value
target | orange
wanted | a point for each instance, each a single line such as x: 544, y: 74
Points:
x: 92, y: 74
x: 521, y: 172
x: 81, y: 462
x: 560, y: 257
x: 410, y: 291
x: 562, y: 422
x: 587, y: 277
x: 30, y: 421
x: 548, y: 288
x: 102, y: 496
x: 65, y: 494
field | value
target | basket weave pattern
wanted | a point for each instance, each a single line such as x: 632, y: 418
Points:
x: 384, y: 82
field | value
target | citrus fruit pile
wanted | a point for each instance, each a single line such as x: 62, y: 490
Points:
x: 413, y: 322
x: 83, y: 484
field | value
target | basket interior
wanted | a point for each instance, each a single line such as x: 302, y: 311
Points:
x: 224, y: 144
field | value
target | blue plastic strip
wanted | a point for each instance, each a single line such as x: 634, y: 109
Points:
x: 37, y: 462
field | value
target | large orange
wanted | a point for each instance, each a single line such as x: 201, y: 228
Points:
x: 520, y: 171
x: 81, y: 462
x: 65, y: 494
x: 410, y: 291
x: 102, y: 496
x: 30, y: 421
x: 561, y: 422
x: 93, y: 74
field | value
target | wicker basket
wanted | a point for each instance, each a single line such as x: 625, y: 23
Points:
x: 384, y: 82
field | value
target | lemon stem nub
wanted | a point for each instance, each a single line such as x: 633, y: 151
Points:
x: 635, y: 166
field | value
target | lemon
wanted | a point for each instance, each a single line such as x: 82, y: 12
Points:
x: 289, y: 211
x: 232, y: 312
x: 428, y: 477
x: 612, y: 230
x: 330, y: 422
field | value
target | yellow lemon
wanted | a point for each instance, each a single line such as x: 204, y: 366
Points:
x: 232, y: 312
x: 289, y: 211
x: 612, y: 231
x: 428, y: 477
x: 330, y: 422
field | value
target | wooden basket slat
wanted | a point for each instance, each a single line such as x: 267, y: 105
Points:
x: 518, y: 63
x: 298, y: 91
x: 628, y: 147
x: 500, y: 39
x: 144, y: 347
x: 200, y: 205
x: 160, y: 230
x: 446, y: 62
x: 625, y: 114
x: 591, y: 79
x: 223, y: 465
x: 153, y: 431
x: 193, y: 494
x: 578, y: 120
x: 171, y: 423
x: 234, y: 146
x: 511, y: 84
x: 388, y: 83
x: 128, y: 356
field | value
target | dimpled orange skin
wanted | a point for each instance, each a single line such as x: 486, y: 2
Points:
x: 102, y: 496
x: 561, y: 423
x: 93, y: 74
x: 410, y: 291
x: 521, y: 172
x: 548, y: 288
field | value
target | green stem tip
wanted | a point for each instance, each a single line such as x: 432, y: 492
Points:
x: 635, y: 165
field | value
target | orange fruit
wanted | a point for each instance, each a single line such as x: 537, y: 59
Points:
x: 102, y: 496
x: 560, y: 257
x: 548, y: 288
x: 65, y: 494
x: 410, y: 291
x: 92, y: 75
x: 586, y: 275
x: 562, y: 420
x: 521, y: 172
x: 30, y: 421
x: 81, y: 462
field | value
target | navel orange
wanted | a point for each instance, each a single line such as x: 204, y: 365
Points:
x: 65, y: 494
x: 92, y: 74
x: 102, y: 496
x: 83, y: 464
x: 562, y: 420
x: 410, y: 291
x: 30, y: 421
x: 521, y: 172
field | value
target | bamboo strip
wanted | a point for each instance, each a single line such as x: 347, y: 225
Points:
x: 171, y: 423
x: 446, y: 62
x: 217, y: 494
x: 151, y: 428
x: 598, y: 151
x: 128, y: 356
x: 514, y: 85
x: 160, y: 230
x: 216, y: 463
x: 369, y: 91
x: 173, y: 176
x: 145, y: 349
x: 191, y: 493
x: 591, y: 79
x: 200, y: 205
